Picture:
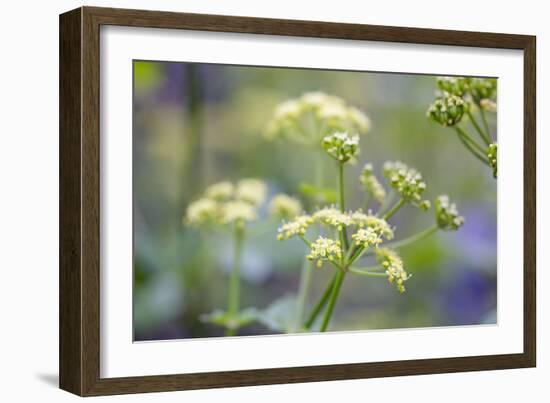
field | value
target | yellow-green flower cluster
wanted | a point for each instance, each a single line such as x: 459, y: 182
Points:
x: 492, y: 156
x: 285, y: 206
x: 447, y: 215
x: 250, y: 190
x: 453, y: 85
x: 379, y: 225
x: 367, y: 237
x: 371, y: 184
x: 407, y: 182
x: 314, y: 114
x: 447, y: 110
x: 334, y: 217
x: 324, y: 249
x: 226, y: 203
x: 483, y: 89
x: 393, y: 265
x: 297, y: 226
x: 341, y: 146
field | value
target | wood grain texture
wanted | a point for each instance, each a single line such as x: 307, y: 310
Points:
x: 80, y: 200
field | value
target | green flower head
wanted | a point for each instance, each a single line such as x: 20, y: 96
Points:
x: 392, y: 263
x: 492, y: 156
x: 285, y: 206
x: 407, y: 182
x: 341, y: 146
x: 325, y: 249
x: 446, y: 214
x: 453, y: 85
x: 448, y: 110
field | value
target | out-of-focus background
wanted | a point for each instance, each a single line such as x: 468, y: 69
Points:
x: 197, y: 124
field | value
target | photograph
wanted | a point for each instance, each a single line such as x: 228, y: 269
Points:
x: 273, y: 200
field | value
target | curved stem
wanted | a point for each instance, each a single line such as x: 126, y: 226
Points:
x: 485, y: 124
x: 332, y: 301
x: 482, y: 134
x: 234, y: 284
x: 470, y: 140
x: 413, y: 238
x: 366, y: 272
x: 320, y: 304
x: 394, y: 209
x: 463, y: 137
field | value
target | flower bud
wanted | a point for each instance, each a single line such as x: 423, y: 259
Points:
x: 446, y: 214
x: 448, y: 110
x: 341, y: 146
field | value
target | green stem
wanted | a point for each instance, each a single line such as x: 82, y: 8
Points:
x: 332, y: 301
x: 410, y: 240
x: 485, y: 124
x: 320, y: 304
x: 342, y: 203
x: 367, y: 272
x: 482, y: 134
x: 394, y: 209
x: 413, y: 238
x: 234, y: 284
x: 303, y: 291
x: 463, y: 137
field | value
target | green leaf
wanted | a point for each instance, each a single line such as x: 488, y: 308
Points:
x: 223, y: 318
x: 318, y: 194
x: 279, y: 315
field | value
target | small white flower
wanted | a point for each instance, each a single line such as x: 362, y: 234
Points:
x: 298, y: 226
x: 237, y: 211
x: 392, y: 263
x: 379, y: 225
x: 285, y: 206
x: 341, y: 146
x: 324, y: 249
x: 220, y: 191
x: 334, y: 217
x: 447, y: 215
x: 367, y: 238
x: 202, y: 211
x: 252, y: 191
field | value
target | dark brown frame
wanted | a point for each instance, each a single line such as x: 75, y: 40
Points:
x: 79, y: 200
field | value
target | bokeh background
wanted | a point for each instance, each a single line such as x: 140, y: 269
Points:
x: 197, y: 124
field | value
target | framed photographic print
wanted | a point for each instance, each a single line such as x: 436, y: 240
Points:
x: 249, y: 201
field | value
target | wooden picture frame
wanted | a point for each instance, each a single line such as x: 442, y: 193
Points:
x: 80, y: 199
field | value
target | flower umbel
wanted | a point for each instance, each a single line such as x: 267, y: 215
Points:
x: 492, y: 156
x: 447, y: 215
x: 378, y: 225
x: 325, y: 249
x: 285, y: 206
x: 392, y: 263
x: 238, y: 211
x: 251, y: 190
x: 367, y: 238
x: 203, y: 211
x: 298, y: 226
x: 407, y: 182
x: 332, y: 216
x: 448, y: 110
x: 341, y: 146
x: 308, y: 118
x: 221, y: 191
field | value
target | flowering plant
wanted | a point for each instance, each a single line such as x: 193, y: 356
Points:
x: 344, y: 237
x: 460, y: 97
